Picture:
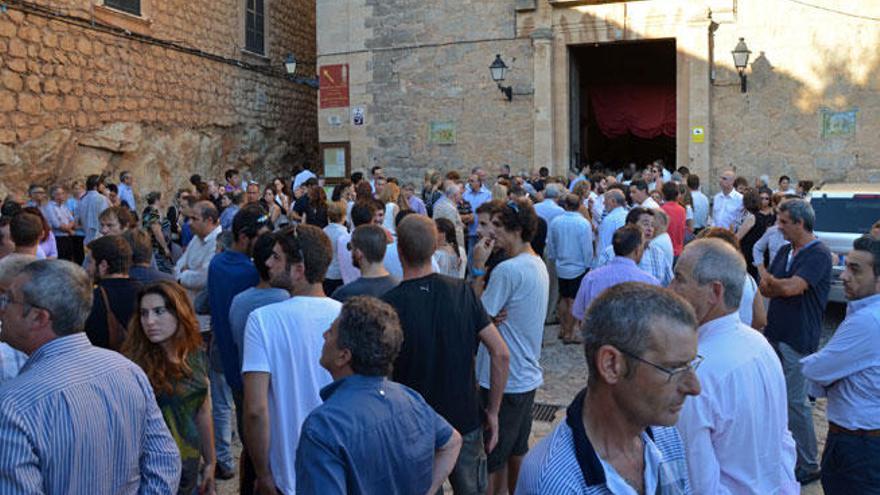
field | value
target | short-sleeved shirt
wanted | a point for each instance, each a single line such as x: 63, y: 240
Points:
x: 441, y: 319
x: 677, y: 224
x: 797, y: 320
x: 371, y: 435
x: 242, y: 306
x: 285, y: 340
x: 519, y: 285
x: 374, y: 286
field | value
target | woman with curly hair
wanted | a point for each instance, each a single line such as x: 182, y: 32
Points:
x: 164, y: 340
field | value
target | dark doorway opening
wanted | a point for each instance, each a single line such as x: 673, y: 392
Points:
x: 623, y: 103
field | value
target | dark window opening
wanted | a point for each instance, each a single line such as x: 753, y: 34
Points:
x: 130, y: 6
x: 254, y: 27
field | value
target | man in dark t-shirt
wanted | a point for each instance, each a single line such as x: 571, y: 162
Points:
x: 443, y: 323
x: 114, y: 293
x: 797, y: 285
x: 368, y: 245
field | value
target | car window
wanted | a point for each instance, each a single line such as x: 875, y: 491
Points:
x: 854, y: 215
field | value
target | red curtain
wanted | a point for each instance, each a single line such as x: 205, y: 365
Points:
x: 646, y: 111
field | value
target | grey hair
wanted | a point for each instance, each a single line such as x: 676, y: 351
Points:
x: 54, y: 189
x: 617, y: 195
x: 63, y: 289
x: 552, y: 191
x: 623, y: 317
x: 800, y: 211
x: 370, y: 329
x: 717, y: 260
x: 12, y: 264
x: 450, y: 188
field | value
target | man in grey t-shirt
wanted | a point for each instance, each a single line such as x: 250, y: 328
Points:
x: 368, y: 245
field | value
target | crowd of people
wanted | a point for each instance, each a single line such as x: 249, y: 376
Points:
x: 381, y: 336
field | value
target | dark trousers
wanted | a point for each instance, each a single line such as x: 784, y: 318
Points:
x: 246, y: 473
x: 851, y: 464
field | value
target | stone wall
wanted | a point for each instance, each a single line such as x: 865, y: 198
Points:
x: 76, y: 100
x: 428, y: 62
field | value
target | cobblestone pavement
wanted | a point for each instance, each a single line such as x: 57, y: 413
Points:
x: 565, y: 373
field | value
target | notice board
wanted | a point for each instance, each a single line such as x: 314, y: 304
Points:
x: 334, y: 85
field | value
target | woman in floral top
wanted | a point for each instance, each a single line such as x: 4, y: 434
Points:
x: 164, y: 340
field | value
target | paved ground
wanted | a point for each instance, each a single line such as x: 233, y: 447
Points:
x: 565, y: 374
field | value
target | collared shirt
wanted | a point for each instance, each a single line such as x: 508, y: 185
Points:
x: 618, y: 270
x: 848, y: 367
x: 650, y: 203
x: 736, y: 431
x: 371, y: 435
x: 615, y: 219
x: 127, y: 195
x: 90, y: 208
x: 444, y: 208
x: 565, y: 462
x: 797, y: 320
x: 771, y: 241
x: 549, y: 209
x: 475, y: 199
x: 57, y: 215
x: 570, y: 244
x: 654, y: 262
x: 10, y: 362
x: 727, y: 209
x: 417, y: 205
x: 79, y: 419
x: 227, y: 216
x: 701, y: 209
x: 191, y: 269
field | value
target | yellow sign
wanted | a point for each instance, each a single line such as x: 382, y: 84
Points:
x: 698, y: 135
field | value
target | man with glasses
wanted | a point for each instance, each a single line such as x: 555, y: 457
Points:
x: 78, y: 419
x: 727, y: 205
x: 736, y: 431
x: 617, y: 436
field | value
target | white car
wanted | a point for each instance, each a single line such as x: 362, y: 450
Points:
x: 844, y: 212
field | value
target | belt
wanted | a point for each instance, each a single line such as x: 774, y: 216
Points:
x: 833, y: 428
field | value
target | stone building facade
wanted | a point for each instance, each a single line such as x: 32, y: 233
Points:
x: 166, y: 91
x: 810, y: 110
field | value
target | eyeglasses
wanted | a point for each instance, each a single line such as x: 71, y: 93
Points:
x: 6, y: 300
x: 671, y: 373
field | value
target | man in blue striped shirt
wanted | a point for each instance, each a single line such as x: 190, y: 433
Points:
x: 618, y: 436
x: 78, y: 419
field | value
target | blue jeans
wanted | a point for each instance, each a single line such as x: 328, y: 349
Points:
x: 221, y: 412
x: 469, y: 477
x: 850, y: 465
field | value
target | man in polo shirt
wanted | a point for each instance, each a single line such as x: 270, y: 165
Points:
x: 371, y: 435
x: 797, y: 284
x: 443, y: 323
x: 847, y: 370
x: 618, y: 435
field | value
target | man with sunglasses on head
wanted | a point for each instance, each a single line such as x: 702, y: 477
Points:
x: 617, y: 436
x: 736, y: 431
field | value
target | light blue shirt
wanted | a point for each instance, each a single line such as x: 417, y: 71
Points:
x: 127, y: 195
x: 549, y: 210
x: 701, y: 209
x: 10, y: 362
x: 847, y: 369
x: 615, y: 219
x: 79, y: 419
x: 570, y: 244
x: 654, y: 261
x: 475, y: 199
x: 618, y: 270
x: 90, y: 207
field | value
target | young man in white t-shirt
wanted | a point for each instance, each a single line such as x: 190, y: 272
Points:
x: 516, y: 297
x: 281, y: 359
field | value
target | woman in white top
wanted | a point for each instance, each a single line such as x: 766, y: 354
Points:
x: 335, y: 229
x: 450, y: 257
x: 388, y: 197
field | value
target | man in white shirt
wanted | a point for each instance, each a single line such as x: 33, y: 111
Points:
x: 701, y: 203
x: 615, y: 219
x: 192, y: 268
x: 281, y: 359
x: 125, y: 192
x: 638, y: 191
x: 304, y: 175
x: 847, y: 371
x: 549, y: 209
x: 446, y: 207
x: 570, y: 251
x: 728, y: 204
x: 736, y: 431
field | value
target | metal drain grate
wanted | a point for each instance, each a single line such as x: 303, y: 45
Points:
x: 544, y: 412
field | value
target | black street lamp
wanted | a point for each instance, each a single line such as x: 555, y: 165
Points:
x: 290, y: 70
x: 741, y: 61
x: 498, y: 70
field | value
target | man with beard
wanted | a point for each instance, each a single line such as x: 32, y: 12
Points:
x: 368, y: 246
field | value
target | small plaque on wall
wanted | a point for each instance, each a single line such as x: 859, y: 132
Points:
x: 441, y: 132
x: 838, y: 124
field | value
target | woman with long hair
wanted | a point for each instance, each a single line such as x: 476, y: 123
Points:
x: 760, y: 218
x: 450, y: 257
x: 269, y: 205
x: 160, y: 231
x: 389, y: 196
x: 282, y: 193
x: 316, y: 210
x: 164, y: 340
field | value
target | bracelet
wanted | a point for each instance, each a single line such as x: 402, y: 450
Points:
x: 476, y: 272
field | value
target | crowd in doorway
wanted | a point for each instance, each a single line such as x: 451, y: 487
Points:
x: 381, y: 336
